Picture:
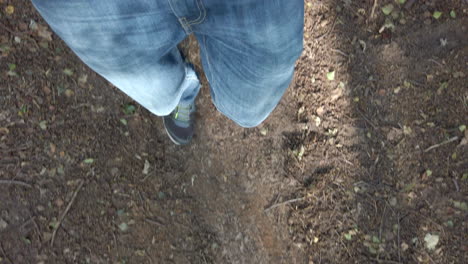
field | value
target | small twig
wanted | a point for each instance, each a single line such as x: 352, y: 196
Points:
x: 5, y: 255
x: 27, y: 222
x: 366, y: 119
x: 154, y: 221
x: 340, y: 52
x: 65, y: 213
x: 344, y: 245
x: 329, y: 31
x: 456, y: 184
x: 373, y: 9
x: 284, y: 203
x: 15, y: 183
x: 441, y: 144
x: 387, y: 261
x: 398, y: 241
x: 436, y: 62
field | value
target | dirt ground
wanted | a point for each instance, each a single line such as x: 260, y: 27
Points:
x: 364, y: 160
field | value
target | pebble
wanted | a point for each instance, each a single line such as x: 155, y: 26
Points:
x: 3, y: 224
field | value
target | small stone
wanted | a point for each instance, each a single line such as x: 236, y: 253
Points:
x: 59, y: 202
x: 404, y: 246
x: 123, y: 227
x: 320, y: 111
x: 3, y: 224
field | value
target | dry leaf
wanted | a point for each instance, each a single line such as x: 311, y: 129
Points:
x: 43, y: 32
x: 9, y: 9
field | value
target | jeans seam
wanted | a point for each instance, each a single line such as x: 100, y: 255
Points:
x: 182, y: 20
x: 208, y: 59
x: 202, y: 15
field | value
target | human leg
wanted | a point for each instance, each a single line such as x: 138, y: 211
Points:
x: 130, y: 43
x: 249, y: 49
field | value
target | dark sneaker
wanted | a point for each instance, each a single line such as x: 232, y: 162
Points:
x: 179, y: 124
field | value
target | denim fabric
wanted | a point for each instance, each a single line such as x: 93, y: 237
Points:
x: 248, y: 49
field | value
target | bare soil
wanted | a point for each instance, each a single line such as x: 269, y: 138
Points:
x: 360, y: 168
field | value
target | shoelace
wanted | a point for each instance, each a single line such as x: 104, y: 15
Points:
x: 182, y: 113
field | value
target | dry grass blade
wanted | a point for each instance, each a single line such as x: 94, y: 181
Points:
x: 14, y: 182
x: 65, y: 213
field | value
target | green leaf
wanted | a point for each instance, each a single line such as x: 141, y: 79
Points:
x: 428, y: 173
x: 331, y: 75
x: 129, y: 109
x: 123, y: 121
x: 449, y: 223
x: 387, y: 9
x: 408, y: 187
x: 43, y: 125
x: 437, y: 14
x: 465, y: 176
x: 401, y: 2
x: 375, y: 239
x: 453, y: 14
x: 68, y: 72
x: 460, y: 205
x: 88, y: 161
x: 11, y: 66
x: 462, y: 128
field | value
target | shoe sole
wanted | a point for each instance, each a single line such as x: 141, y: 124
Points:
x: 172, y: 138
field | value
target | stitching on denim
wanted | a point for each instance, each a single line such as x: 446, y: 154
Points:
x: 182, y: 20
x: 202, y: 15
x: 172, y: 8
x: 185, y: 25
x: 199, y: 16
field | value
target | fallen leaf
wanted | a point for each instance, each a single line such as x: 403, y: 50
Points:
x: 69, y: 93
x: 123, y: 227
x: 331, y: 75
x: 387, y: 9
x: 68, y: 72
x: 43, y: 125
x: 88, y: 161
x: 460, y: 205
x: 453, y: 14
x: 129, y: 109
x: 9, y: 9
x: 428, y: 173
x: 83, y: 79
x: 437, y: 14
x: 146, y: 167
x: 431, y: 241
x: 43, y: 32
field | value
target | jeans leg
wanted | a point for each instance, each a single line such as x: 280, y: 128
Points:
x: 130, y: 43
x: 249, y: 49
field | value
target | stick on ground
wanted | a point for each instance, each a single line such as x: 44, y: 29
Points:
x: 15, y: 183
x: 441, y: 144
x: 284, y: 203
x: 65, y: 213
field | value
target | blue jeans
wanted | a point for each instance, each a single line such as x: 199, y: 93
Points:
x: 248, y: 49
